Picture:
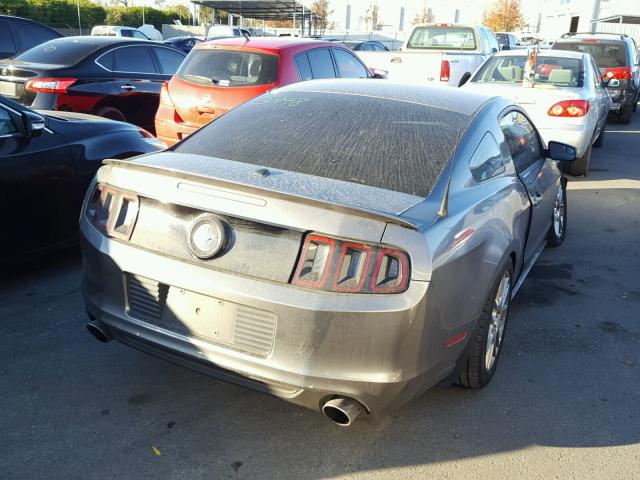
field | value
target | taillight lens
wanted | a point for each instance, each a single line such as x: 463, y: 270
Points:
x: 50, y: 85
x: 622, y: 73
x: 112, y: 211
x: 445, y: 70
x: 569, y: 108
x: 336, y: 265
x: 165, y: 98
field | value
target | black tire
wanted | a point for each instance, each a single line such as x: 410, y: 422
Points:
x: 558, y: 228
x: 111, y: 113
x: 475, y: 372
x: 580, y: 166
x: 625, y: 115
x: 600, y: 140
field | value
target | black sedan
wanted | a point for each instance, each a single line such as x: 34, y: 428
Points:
x: 116, y: 78
x: 183, y: 43
x: 47, y: 160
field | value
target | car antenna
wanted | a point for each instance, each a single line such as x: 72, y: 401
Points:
x: 444, y: 205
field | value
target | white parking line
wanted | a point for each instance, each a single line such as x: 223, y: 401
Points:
x: 623, y: 131
x: 603, y: 184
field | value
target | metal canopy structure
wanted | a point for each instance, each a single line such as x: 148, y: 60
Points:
x: 260, y: 9
x: 628, y: 19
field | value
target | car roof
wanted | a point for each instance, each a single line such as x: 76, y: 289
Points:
x: 455, y: 100
x: 542, y: 53
x: 28, y: 20
x: 266, y: 43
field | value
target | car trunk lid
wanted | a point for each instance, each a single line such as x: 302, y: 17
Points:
x: 14, y: 76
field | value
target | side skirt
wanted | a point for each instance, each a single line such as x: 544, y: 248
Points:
x: 526, y: 270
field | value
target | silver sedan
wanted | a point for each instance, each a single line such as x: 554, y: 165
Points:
x: 343, y: 245
x: 567, y: 98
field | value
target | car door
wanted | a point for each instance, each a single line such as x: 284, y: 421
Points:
x: 539, y: 175
x: 38, y: 188
x: 137, y: 83
x: 602, y: 96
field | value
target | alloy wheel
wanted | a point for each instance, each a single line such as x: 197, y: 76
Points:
x: 499, y: 312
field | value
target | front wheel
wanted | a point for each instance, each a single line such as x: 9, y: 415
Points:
x: 486, y: 345
x: 558, y: 229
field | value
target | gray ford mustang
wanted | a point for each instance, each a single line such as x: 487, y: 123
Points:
x: 344, y: 245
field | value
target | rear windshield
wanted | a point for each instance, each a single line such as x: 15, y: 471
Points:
x: 229, y: 68
x: 606, y: 54
x: 443, y: 38
x: 503, y: 39
x: 399, y: 146
x: 61, y: 51
x: 561, y: 72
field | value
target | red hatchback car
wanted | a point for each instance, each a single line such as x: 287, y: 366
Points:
x: 221, y: 74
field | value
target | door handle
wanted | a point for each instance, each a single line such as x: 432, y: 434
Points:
x: 127, y: 87
x: 206, y: 109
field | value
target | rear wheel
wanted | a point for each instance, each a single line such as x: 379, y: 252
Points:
x: 111, y: 113
x: 580, y: 166
x: 486, y: 344
x: 600, y: 140
x: 558, y: 228
x: 625, y: 114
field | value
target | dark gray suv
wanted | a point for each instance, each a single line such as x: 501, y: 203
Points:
x: 617, y: 57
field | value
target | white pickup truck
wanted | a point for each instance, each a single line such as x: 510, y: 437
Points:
x: 441, y: 53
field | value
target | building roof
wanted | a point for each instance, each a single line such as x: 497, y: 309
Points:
x: 258, y: 9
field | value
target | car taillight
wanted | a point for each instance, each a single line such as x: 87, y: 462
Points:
x: 50, y: 85
x: 165, y: 98
x: 445, y: 70
x: 569, y: 108
x: 112, y: 211
x: 622, y: 73
x: 335, y: 265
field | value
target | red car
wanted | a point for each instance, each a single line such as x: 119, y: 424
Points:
x: 221, y: 74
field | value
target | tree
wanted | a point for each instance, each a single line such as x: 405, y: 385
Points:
x: 425, y: 16
x: 321, y: 9
x: 504, y: 16
x: 373, y: 15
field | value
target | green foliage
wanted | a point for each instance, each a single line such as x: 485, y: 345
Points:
x: 64, y: 13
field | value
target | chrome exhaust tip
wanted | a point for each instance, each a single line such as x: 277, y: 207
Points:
x: 342, y: 411
x: 99, y: 334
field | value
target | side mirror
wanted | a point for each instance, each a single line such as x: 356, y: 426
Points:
x: 31, y: 124
x: 379, y: 74
x: 612, y: 83
x: 494, y: 50
x: 506, y: 47
x: 561, y: 152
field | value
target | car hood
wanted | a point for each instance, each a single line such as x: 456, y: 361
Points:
x: 319, y: 189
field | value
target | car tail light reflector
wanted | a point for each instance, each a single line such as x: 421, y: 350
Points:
x: 569, y: 108
x: 50, y: 85
x: 165, y: 98
x: 335, y: 265
x: 445, y: 70
x: 622, y: 73
x: 112, y: 211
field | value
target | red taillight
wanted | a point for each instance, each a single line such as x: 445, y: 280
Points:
x: 112, y: 211
x: 445, y: 70
x: 340, y: 266
x: 569, y: 108
x: 165, y: 98
x: 50, y: 85
x: 622, y: 73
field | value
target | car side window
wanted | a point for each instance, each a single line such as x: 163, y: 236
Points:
x: 486, y: 161
x: 522, y: 140
x: 304, y: 68
x: 597, y: 76
x: 348, y: 65
x: 168, y: 59
x: 106, y: 60
x: 32, y: 35
x: 7, y: 126
x: 7, y: 46
x: 491, y: 40
x: 321, y: 63
x: 134, y: 60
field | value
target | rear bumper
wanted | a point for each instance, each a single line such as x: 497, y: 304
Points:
x: 168, y: 129
x: 379, y: 351
x: 578, y: 136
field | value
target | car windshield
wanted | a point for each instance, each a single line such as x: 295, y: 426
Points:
x: 61, y: 51
x: 606, y: 54
x: 443, y: 38
x: 395, y: 145
x: 557, y: 71
x: 229, y: 68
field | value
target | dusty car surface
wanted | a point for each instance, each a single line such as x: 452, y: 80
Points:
x: 340, y: 265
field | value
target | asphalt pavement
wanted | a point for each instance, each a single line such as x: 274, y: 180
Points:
x: 565, y: 402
